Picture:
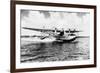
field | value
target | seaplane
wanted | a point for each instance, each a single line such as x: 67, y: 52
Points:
x: 55, y: 34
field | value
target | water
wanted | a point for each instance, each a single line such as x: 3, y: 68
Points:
x: 55, y: 51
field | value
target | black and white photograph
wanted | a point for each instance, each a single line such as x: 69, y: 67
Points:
x: 52, y: 36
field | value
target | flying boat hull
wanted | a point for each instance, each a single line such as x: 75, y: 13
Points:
x: 50, y: 39
x: 67, y: 39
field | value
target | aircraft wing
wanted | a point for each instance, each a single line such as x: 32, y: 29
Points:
x: 51, y: 30
x: 41, y: 30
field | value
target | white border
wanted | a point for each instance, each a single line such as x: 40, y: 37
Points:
x: 52, y: 64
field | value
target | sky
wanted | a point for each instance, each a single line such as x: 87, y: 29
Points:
x: 52, y: 19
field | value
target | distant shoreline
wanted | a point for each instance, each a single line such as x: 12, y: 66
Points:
x: 27, y: 36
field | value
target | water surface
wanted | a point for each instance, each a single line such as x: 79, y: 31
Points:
x: 55, y: 51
